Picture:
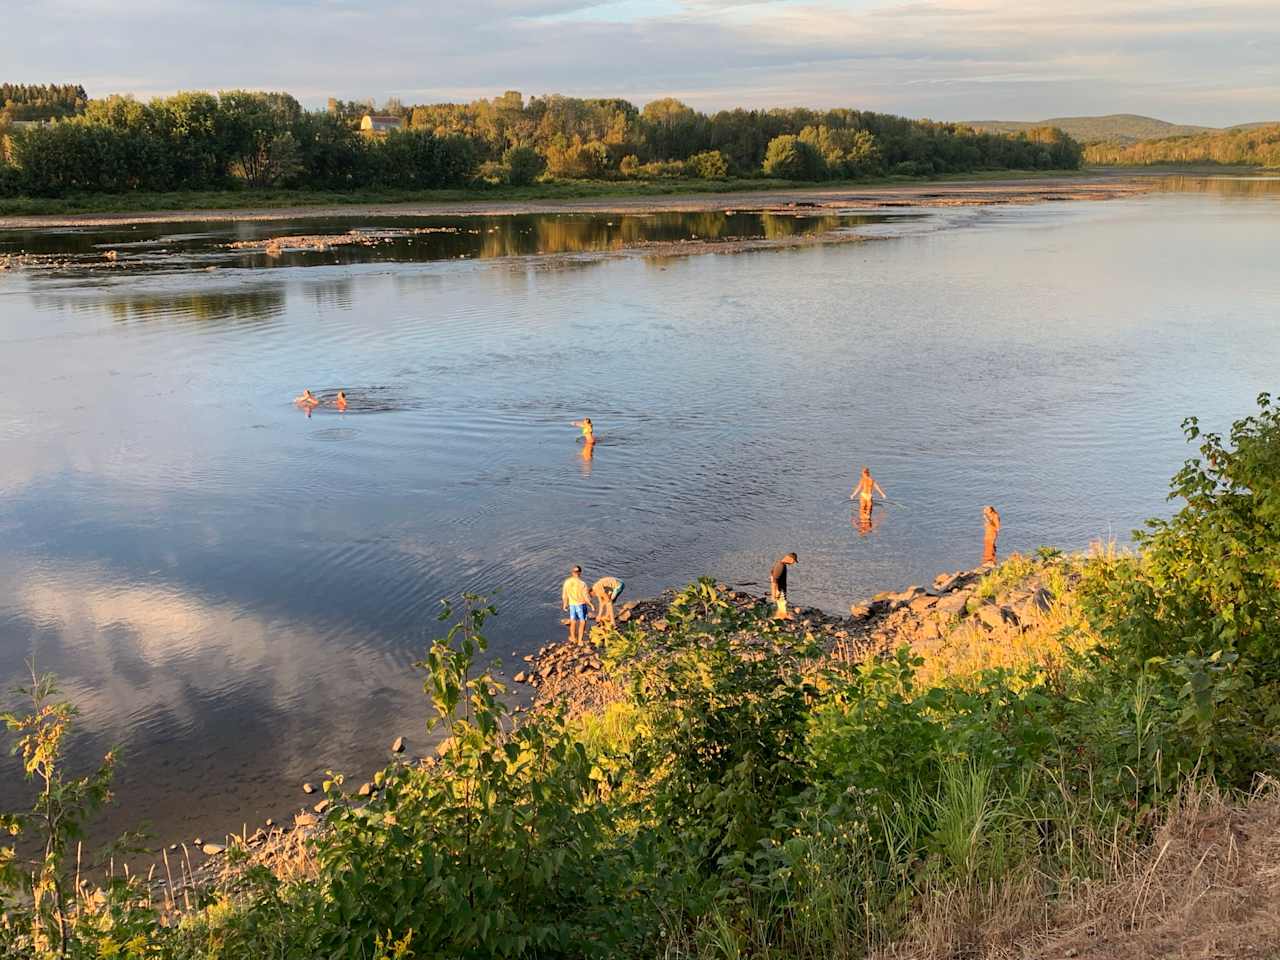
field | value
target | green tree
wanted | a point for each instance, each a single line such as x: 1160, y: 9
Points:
x: 524, y: 165
x: 791, y: 158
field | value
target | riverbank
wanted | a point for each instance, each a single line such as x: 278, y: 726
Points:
x: 574, y: 197
x: 971, y: 619
x: 1197, y: 867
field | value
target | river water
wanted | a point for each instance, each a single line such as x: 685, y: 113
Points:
x: 235, y: 592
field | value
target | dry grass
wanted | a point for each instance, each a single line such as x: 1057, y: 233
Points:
x: 1041, y: 640
x: 1206, y: 888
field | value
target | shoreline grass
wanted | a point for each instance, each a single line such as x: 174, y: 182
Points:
x: 275, y: 199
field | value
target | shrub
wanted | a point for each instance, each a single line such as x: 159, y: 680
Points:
x: 709, y: 165
x: 790, y: 158
x: 524, y: 165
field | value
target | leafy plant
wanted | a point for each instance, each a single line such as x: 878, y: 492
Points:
x: 55, y: 821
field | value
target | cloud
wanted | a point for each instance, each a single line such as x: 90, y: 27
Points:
x: 919, y: 58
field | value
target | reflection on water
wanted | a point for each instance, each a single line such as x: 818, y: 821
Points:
x: 235, y: 592
x: 120, y: 249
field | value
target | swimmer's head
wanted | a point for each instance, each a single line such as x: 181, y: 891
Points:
x: 866, y: 471
x: 576, y: 571
x: 342, y: 394
x: 790, y: 558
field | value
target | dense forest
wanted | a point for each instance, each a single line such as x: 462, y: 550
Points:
x: 41, y: 101
x: 1252, y: 146
x: 199, y: 141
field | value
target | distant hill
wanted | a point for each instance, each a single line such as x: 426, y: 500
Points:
x: 1113, y: 128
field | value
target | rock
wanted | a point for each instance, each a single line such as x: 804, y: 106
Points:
x: 520, y: 677
x: 197, y: 842
x: 397, y: 745
x: 860, y: 611
x: 212, y: 849
x: 952, y: 605
x: 660, y: 625
x: 304, y: 820
x: 993, y: 617
x: 308, y: 788
x: 270, y: 822
x: 921, y: 604
x: 366, y: 790
x: 321, y: 807
x: 173, y: 848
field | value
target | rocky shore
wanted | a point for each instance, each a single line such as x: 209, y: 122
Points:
x: 997, y: 604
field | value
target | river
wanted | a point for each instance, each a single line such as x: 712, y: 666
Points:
x: 235, y: 592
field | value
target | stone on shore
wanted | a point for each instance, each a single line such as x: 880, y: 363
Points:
x: 397, y: 745
x: 304, y: 820
x: 212, y: 849
x: 308, y: 788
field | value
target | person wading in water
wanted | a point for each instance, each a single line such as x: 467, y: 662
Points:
x: 991, y: 530
x: 863, y: 493
x: 778, y: 586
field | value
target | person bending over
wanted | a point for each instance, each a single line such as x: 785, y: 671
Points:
x: 606, y: 590
x: 778, y: 586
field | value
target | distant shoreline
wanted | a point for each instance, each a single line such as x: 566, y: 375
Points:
x: 613, y: 198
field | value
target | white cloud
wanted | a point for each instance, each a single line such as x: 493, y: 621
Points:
x: 948, y: 58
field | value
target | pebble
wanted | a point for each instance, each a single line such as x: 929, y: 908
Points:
x: 308, y: 788
x: 398, y: 745
x: 321, y: 807
x: 520, y: 677
x: 366, y: 790
x: 212, y: 849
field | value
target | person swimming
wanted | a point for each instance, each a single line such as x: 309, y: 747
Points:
x: 306, y: 399
x: 588, y: 430
x: 341, y: 401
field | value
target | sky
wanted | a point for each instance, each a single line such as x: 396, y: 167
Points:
x: 1208, y: 63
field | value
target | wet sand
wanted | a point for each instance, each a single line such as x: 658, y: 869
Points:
x: 930, y: 194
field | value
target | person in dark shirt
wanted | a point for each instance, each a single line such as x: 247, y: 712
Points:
x: 778, y: 585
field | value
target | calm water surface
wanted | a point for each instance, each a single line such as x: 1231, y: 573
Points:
x: 235, y: 592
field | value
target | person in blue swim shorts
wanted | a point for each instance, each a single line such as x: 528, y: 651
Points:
x: 576, y: 598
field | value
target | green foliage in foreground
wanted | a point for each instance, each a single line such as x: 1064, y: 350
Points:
x: 749, y: 798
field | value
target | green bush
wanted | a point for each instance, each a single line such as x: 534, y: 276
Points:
x: 790, y: 158
x: 524, y: 165
x: 504, y: 849
x: 709, y: 165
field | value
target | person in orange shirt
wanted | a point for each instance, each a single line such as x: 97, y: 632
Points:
x: 306, y: 399
x: 341, y: 401
x: 863, y: 493
x: 991, y: 530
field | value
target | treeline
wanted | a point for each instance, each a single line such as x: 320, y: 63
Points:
x: 593, y: 137
x: 201, y: 141
x: 41, y: 101
x: 1257, y: 146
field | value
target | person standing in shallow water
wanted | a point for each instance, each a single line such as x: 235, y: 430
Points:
x: 588, y: 430
x: 576, y: 599
x: 778, y: 586
x: 991, y: 530
x: 864, y: 491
